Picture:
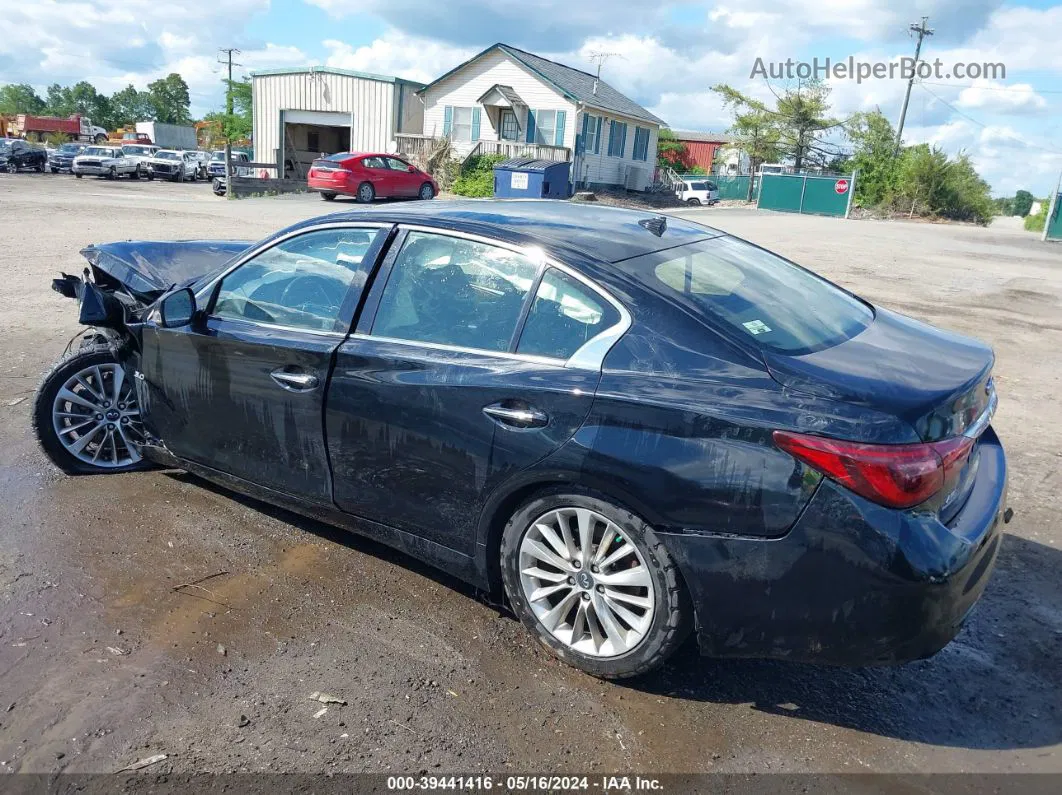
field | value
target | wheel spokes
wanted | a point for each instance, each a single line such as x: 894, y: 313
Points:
x: 88, y: 421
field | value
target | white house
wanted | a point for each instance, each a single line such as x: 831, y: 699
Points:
x: 508, y: 101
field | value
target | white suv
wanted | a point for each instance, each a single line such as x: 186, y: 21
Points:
x: 697, y: 192
x: 175, y: 165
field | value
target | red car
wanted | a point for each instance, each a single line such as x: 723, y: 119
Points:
x: 369, y: 177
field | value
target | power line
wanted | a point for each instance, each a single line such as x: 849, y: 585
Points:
x: 982, y: 125
x: 990, y: 88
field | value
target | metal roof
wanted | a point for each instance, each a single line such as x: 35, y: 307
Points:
x: 575, y: 84
x: 305, y: 70
x: 702, y: 137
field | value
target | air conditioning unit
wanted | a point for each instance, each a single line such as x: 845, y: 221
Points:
x: 634, y: 178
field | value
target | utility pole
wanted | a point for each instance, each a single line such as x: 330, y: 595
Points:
x: 922, y: 32
x: 228, y: 111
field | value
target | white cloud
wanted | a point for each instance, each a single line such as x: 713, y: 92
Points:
x: 398, y: 54
x: 992, y: 96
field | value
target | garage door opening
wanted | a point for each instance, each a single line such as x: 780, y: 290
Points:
x: 307, y: 142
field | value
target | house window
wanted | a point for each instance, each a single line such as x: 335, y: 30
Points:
x: 593, y: 134
x: 545, y: 126
x: 462, y: 125
x: 617, y: 139
x: 641, y: 143
x: 509, y: 128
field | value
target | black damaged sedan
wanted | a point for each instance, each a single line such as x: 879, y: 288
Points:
x: 636, y: 427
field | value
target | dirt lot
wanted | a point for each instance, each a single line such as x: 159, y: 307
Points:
x: 103, y: 662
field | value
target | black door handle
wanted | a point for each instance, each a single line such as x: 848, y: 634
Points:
x: 528, y: 417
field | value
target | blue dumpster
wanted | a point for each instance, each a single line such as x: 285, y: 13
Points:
x: 527, y: 178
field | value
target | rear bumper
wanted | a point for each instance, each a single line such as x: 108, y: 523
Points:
x: 329, y: 186
x: 852, y: 583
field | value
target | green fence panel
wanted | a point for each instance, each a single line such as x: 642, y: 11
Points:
x: 821, y: 197
x: 796, y: 193
x: 732, y: 187
x: 781, y: 192
x: 1053, y: 230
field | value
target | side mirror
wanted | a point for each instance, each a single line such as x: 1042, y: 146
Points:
x: 177, y: 309
x: 411, y: 170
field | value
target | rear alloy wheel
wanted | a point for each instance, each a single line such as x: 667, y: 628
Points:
x: 366, y: 193
x: 328, y: 196
x: 427, y: 192
x: 86, y: 414
x: 594, y: 584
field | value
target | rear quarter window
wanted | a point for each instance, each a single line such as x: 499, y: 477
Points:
x: 753, y: 294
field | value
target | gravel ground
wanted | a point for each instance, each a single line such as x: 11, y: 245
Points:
x: 105, y: 660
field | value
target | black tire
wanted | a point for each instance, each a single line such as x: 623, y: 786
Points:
x: 12, y: 168
x: 93, y: 353
x: 673, y: 616
x: 135, y: 173
x: 40, y: 168
x: 427, y: 192
x: 55, y: 171
x: 151, y: 176
x: 113, y: 173
x: 180, y: 176
x: 79, y: 176
x: 366, y: 193
x: 694, y: 202
x: 328, y: 197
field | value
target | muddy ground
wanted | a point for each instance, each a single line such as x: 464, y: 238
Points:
x: 105, y: 660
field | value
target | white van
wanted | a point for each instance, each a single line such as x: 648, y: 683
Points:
x: 697, y: 192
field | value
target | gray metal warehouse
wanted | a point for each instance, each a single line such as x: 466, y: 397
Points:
x: 302, y: 114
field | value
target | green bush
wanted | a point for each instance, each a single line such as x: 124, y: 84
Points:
x: 1036, y: 223
x: 477, y: 177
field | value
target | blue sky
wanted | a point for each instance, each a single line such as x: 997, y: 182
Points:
x: 666, y: 54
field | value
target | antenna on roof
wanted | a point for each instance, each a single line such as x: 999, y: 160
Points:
x: 599, y: 58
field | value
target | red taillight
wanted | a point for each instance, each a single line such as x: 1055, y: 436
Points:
x: 894, y: 475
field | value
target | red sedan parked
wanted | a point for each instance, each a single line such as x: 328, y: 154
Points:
x: 369, y: 177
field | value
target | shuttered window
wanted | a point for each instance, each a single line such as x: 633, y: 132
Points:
x: 545, y: 126
x: 617, y: 139
x: 592, y: 127
x: 461, y: 129
x: 641, y: 143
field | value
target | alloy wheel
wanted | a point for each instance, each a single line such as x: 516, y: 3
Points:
x: 97, y: 418
x: 586, y: 582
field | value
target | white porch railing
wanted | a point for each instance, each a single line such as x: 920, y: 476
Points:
x: 413, y: 146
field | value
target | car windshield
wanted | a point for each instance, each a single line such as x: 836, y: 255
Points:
x: 136, y: 150
x: 217, y: 157
x: 68, y: 149
x: 755, y: 294
x: 167, y: 156
x: 99, y: 151
x: 4, y: 146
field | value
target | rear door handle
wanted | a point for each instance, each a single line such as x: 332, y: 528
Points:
x: 295, y: 382
x: 517, y: 418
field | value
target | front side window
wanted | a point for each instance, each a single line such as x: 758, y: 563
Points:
x: 545, y: 126
x: 302, y: 282
x: 395, y: 164
x: 452, y: 291
x: 461, y: 130
x: 565, y: 316
x: 756, y: 294
x: 374, y: 162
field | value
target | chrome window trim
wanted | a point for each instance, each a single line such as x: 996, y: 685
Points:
x: 256, y: 324
x: 590, y: 356
x: 254, y: 252
x: 442, y: 346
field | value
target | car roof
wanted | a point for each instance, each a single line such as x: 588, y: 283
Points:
x: 601, y: 232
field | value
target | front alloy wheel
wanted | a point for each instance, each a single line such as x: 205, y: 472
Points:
x: 87, y: 416
x: 594, y: 583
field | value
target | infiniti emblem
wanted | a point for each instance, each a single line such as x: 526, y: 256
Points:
x: 586, y: 582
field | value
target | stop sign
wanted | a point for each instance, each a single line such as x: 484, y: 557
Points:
x: 841, y: 186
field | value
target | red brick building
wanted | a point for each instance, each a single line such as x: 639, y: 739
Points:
x: 701, y: 146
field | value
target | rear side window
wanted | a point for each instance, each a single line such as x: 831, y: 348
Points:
x: 338, y: 157
x: 452, y: 291
x: 754, y: 293
x: 700, y: 186
x: 564, y: 316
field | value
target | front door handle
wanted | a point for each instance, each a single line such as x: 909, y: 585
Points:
x: 517, y: 417
x: 295, y: 382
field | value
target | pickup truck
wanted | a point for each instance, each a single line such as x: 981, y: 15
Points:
x: 104, y: 161
x: 175, y: 165
x: 141, y: 155
x: 217, y: 164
